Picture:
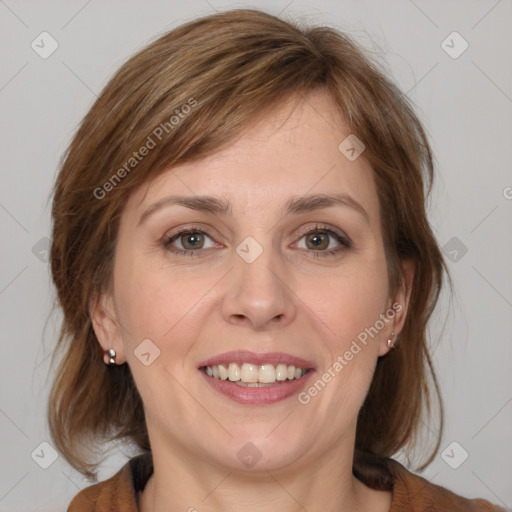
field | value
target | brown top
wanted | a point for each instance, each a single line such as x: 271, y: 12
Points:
x: 411, y: 493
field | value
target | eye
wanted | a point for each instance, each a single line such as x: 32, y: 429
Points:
x: 323, y: 241
x: 188, y: 241
x: 320, y: 241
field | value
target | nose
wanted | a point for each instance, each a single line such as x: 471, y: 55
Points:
x: 258, y: 295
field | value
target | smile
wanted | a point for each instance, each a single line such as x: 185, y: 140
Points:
x: 253, y: 375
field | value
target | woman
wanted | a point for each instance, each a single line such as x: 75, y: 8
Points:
x: 246, y: 271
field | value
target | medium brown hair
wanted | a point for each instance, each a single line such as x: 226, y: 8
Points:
x: 229, y: 69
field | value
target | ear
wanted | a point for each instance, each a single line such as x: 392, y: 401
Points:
x: 106, y: 326
x: 398, y: 307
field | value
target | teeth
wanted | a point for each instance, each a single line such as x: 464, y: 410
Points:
x: 254, y: 384
x: 223, y: 371
x: 233, y: 372
x: 281, y: 372
x: 249, y: 373
x: 267, y: 373
x: 252, y: 375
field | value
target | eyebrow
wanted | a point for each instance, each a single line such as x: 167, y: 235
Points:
x: 316, y: 201
x: 295, y: 205
x: 207, y: 204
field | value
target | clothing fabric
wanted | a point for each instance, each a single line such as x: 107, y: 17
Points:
x: 411, y: 493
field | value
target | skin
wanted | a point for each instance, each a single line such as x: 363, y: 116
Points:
x: 287, y: 300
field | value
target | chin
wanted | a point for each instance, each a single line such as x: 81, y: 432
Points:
x: 260, y: 449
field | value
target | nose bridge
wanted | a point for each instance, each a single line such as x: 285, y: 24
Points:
x: 257, y: 293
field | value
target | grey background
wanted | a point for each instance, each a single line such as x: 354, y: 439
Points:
x: 466, y: 105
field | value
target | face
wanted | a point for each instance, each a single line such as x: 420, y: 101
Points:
x: 283, y: 265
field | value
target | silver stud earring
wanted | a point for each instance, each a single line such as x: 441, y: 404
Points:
x: 109, y: 356
x: 391, y: 341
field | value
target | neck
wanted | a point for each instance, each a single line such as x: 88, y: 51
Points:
x: 186, y: 483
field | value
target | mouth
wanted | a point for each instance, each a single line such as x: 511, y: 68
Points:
x: 253, y: 375
x: 256, y: 378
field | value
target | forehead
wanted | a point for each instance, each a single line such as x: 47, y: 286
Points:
x: 291, y: 151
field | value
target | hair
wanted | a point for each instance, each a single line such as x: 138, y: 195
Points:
x: 188, y: 94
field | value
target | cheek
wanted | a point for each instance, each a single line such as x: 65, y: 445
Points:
x: 349, y: 304
x: 154, y: 303
x: 348, y: 309
x: 164, y: 307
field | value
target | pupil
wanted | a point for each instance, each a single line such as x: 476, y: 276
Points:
x: 192, y: 240
x: 318, y: 240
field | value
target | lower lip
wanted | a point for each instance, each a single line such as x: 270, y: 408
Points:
x: 257, y: 396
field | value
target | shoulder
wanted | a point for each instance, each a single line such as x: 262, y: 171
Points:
x: 412, y: 493
x: 118, y: 492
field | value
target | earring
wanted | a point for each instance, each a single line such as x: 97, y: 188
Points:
x: 109, y: 356
x: 391, y: 341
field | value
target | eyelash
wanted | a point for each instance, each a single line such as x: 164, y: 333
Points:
x: 342, y: 239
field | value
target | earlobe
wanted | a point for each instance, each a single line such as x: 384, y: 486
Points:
x: 105, y: 325
x: 400, y: 307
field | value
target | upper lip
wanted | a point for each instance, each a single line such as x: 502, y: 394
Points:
x: 245, y: 356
